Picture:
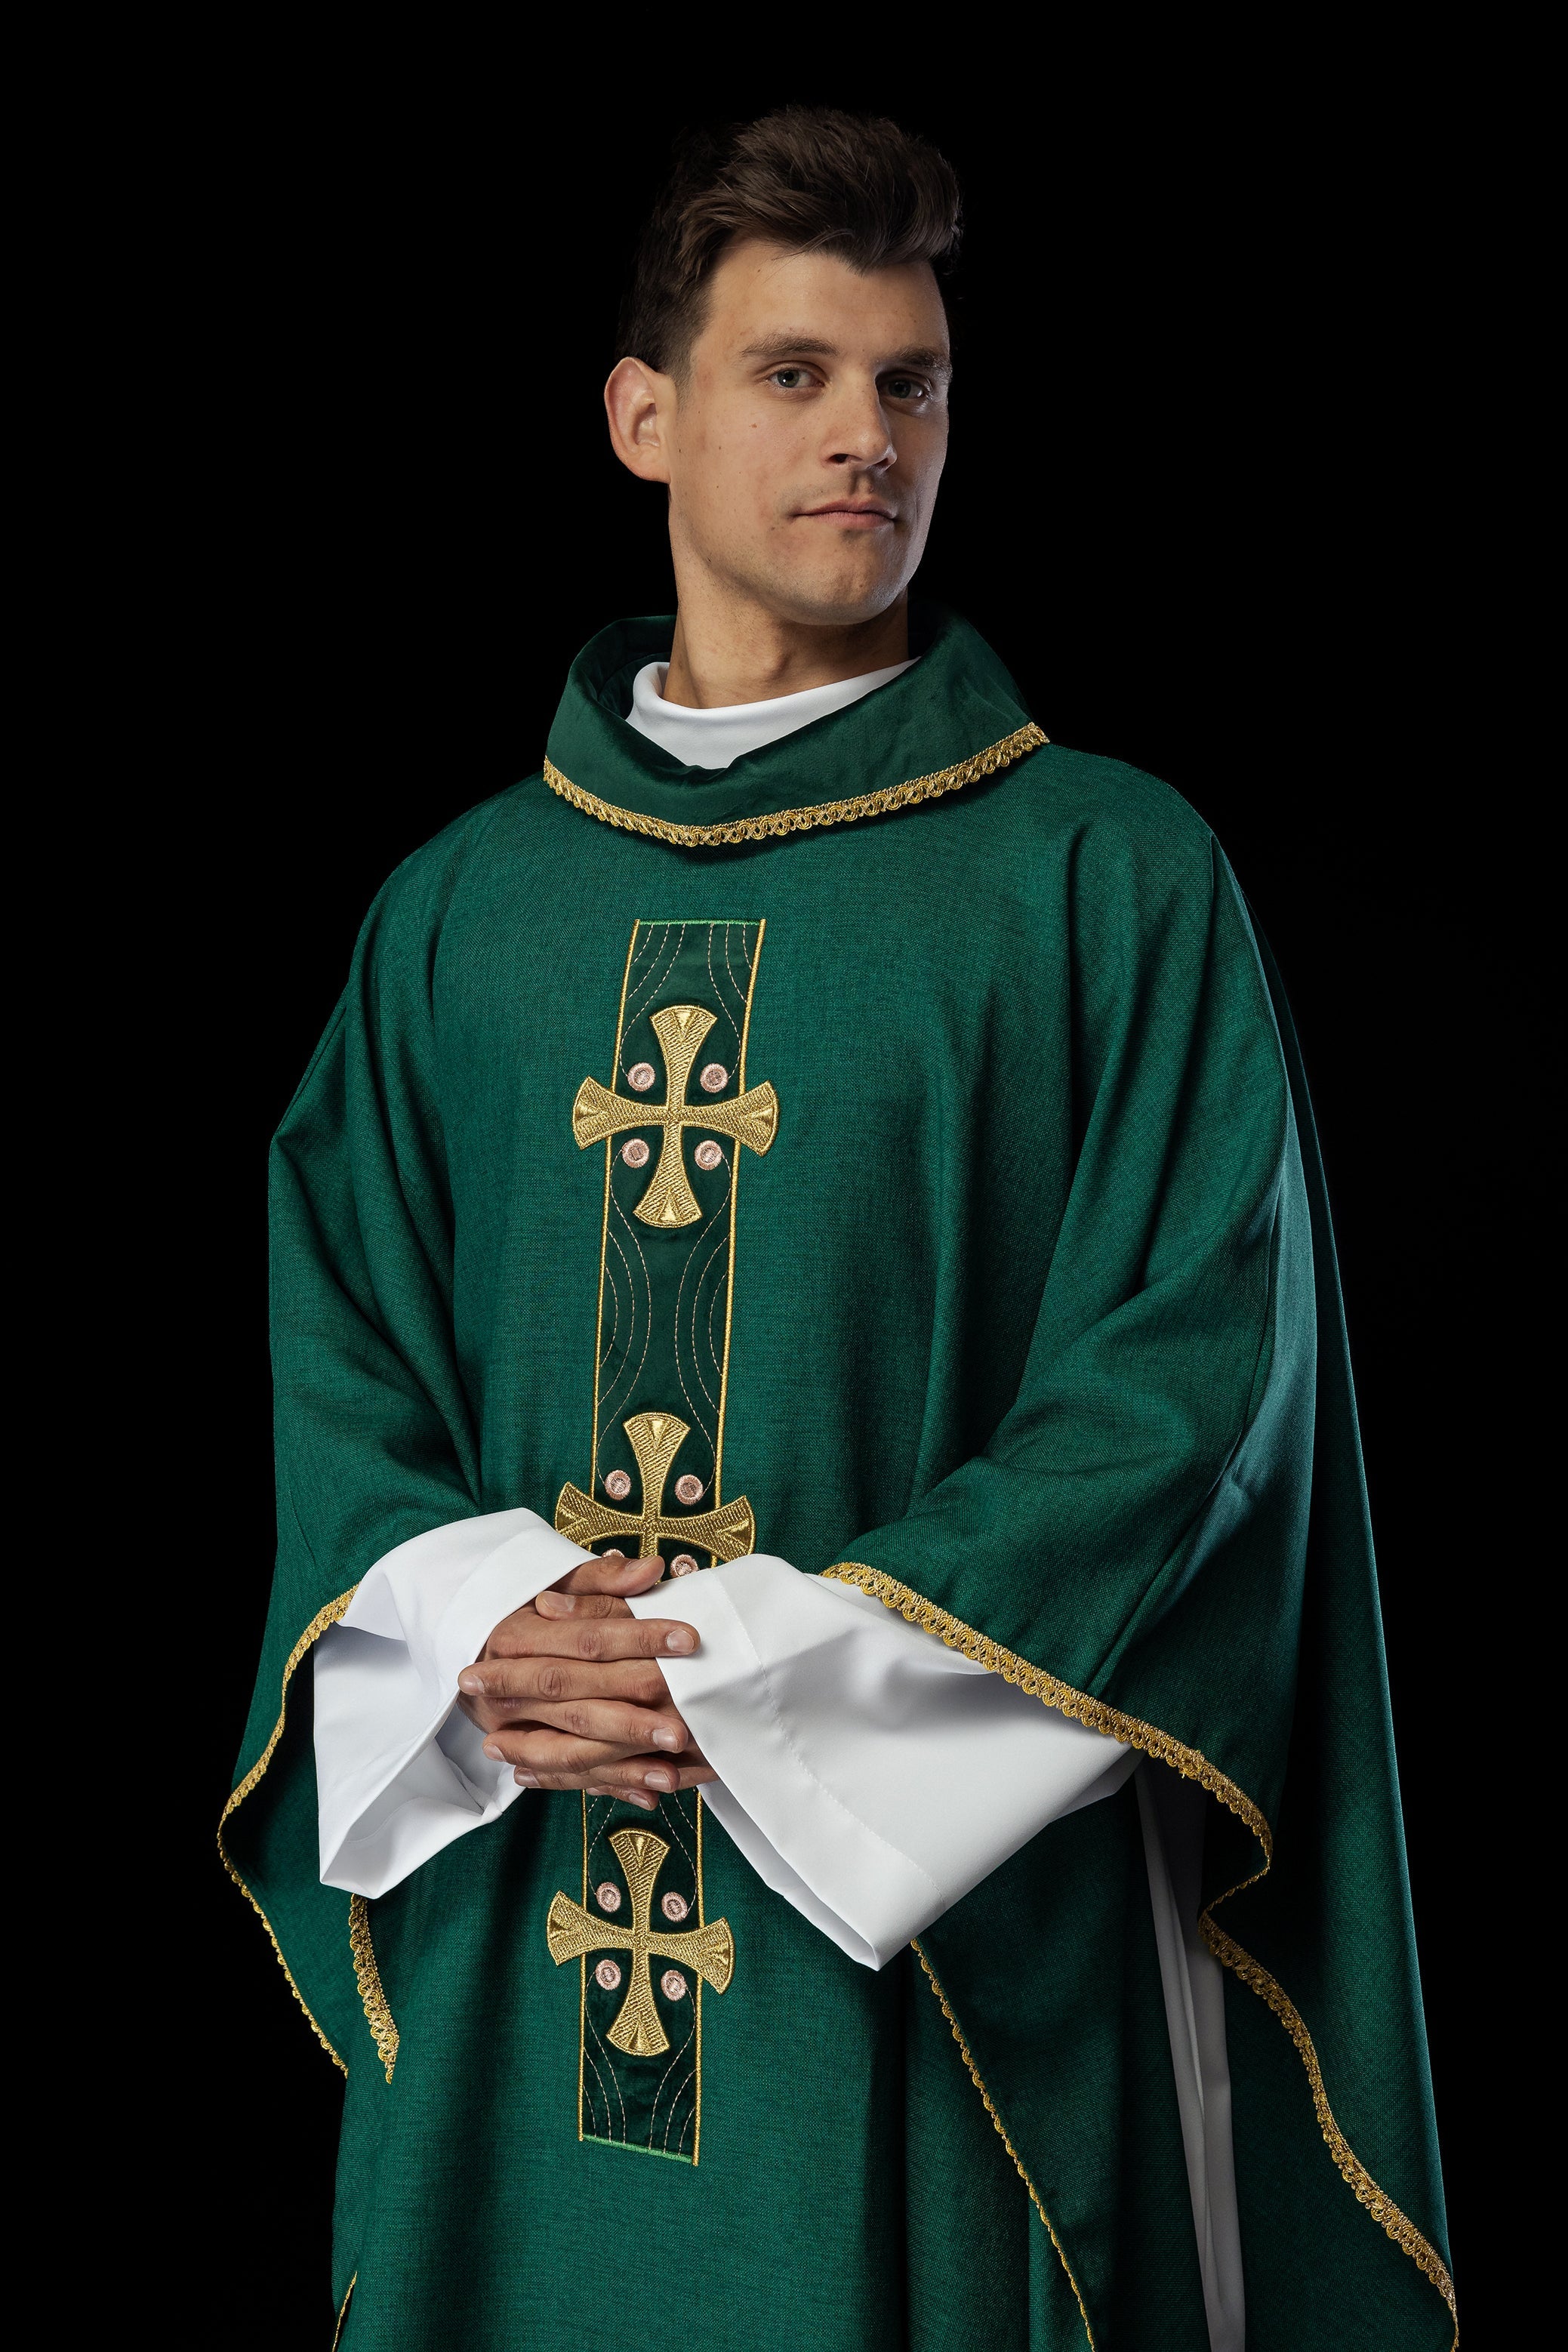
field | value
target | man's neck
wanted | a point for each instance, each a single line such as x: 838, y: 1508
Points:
x: 721, y: 656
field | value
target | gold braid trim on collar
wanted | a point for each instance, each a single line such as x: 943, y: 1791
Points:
x: 313, y: 1632
x: 1192, y: 1766
x: 801, y: 819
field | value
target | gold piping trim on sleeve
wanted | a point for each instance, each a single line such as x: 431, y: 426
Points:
x: 990, y: 2110
x: 1381, y: 2208
x: 1093, y: 1712
x: 1192, y: 1766
x: 348, y: 2296
x: 317, y: 1627
x: 997, y: 756
x: 368, y: 1977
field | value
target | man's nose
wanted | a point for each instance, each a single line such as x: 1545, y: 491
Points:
x: 859, y: 436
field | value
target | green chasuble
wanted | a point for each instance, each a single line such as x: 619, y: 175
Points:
x: 1016, y: 1307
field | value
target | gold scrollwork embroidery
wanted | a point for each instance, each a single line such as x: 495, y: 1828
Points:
x: 988, y: 762
x: 313, y: 1632
x: 752, y: 1118
x: 571, y: 1932
x: 1193, y: 1766
x: 368, y: 1977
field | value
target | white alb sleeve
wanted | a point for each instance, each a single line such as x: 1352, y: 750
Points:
x: 400, y: 1769
x: 868, y: 1773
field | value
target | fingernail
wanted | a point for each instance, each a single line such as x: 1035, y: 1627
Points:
x: 492, y: 1752
x: 527, y: 1780
x: 561, y: 1600
x: 471, y: 1683
x: 665, y: 1738
x: 658, y: 1780
x: 596, y: 1792
x: 647, y: 1803
x: 682, y: 1640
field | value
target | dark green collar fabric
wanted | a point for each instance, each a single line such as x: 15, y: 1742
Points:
x: 956, y: 705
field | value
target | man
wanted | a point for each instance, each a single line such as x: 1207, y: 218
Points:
x: 951, y: 1536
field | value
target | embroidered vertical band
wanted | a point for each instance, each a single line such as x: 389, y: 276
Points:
x: 644, y: 1951
x: 674, y: 1121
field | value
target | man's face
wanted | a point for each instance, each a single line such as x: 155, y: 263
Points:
x: 808, y: 436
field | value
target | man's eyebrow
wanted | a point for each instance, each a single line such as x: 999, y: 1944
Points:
x: 787, y: 346
x: 929, y: 362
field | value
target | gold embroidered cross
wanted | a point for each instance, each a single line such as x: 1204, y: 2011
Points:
x: 655, y: 1439
x: 571, y: 1933
x: 752, y: 1118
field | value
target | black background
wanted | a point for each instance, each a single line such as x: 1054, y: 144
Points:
x: 1209, y: 496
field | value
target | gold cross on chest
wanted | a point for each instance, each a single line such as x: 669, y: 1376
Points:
x: 655, y: 1439
x: 752, y: 1118
x: 571, y: 1933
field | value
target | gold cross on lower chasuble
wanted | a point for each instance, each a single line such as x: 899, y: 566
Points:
x: 752, y: 1118
x: 572, y: 1933
x: 655, y: 1439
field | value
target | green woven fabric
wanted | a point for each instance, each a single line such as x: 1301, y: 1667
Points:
x: 1035, y: 1318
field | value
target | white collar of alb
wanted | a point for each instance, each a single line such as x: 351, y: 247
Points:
x: 714, y: 739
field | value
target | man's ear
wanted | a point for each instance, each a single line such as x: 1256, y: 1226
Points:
x: 641, y: 406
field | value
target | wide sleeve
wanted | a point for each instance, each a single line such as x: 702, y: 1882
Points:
x: 375, y: 1433
x: 1165, y: 1539
x: 1129, y: 1544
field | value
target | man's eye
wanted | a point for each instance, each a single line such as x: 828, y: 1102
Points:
x: 906, y: 387
x: 788, y: 379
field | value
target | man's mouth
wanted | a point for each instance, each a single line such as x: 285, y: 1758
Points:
x: 852, y: 514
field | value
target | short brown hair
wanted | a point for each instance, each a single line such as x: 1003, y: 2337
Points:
x: 806, y: 178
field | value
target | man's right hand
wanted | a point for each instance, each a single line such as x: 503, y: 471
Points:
x: 570, y: 1694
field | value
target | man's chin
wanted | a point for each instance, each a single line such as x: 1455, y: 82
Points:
x: 834, y: 603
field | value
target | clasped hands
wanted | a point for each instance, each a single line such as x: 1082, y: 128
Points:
x: 570, y: 1694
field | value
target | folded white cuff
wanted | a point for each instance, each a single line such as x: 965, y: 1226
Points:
x: 869, y: 1774
x: 399, y: 1771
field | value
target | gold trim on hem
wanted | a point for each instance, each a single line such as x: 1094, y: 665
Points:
x: 1192, y: 1766
x: 368, y: 1977
x: 1381, y: 2208
x: 990, y: 2110
x: 343, y: 2314
x: 988, y: 762
x: 317, y: 1627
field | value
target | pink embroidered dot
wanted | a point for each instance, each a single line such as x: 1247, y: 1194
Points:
x: 672, y: 1984
x: 689, y: 1489
x: 675, y: 1907
x: 634, y: 1153
x: 619, y: 1485
x: 714, y: 1079
x: 641, y: 1077
x: 613, y: 1554
x: 608, y: 1896
x: 608, y: 1975
x: 683, y: 1564
x: 707, y: 1155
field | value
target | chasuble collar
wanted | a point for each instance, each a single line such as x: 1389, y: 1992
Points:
x: 955, y: 716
